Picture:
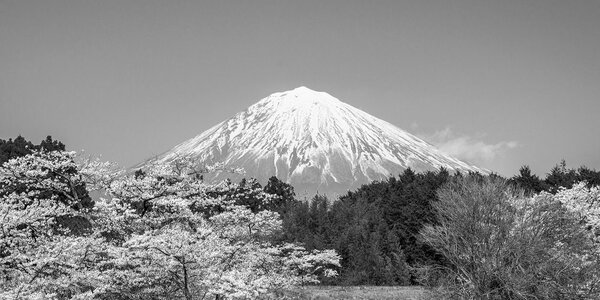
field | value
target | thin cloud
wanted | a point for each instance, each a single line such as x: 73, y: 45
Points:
x: 414, y: 125
x: 468, y: 148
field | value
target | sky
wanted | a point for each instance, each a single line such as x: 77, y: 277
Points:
x: 500, y: 84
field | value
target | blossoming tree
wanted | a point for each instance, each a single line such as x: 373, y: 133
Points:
x: 159, y: 234
x: 46, y: 239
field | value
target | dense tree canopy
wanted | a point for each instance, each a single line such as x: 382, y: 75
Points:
x: 145, y: 240
x: 374, y: 228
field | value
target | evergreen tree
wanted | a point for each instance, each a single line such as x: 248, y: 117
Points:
x: 373, y: 229
x: 591, y: 177
x: 14, y: 148
x: 527, y: 181
x: 51, y: 145
x: 20, y: 147
x: 560, y: 176
x: 285, y: 193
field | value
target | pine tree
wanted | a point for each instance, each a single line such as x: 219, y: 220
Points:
x: 527, y: 181
x: 560, y: 176
x: 20, y: 147
x: 285, y: 193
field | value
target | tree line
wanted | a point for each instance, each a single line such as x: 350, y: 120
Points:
x: 20, y: 147
x: 389, y: 232
x: 375, y: 228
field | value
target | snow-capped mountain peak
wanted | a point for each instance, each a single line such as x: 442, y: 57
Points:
x: 313, y: 141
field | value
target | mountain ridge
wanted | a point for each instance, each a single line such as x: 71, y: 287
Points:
x: 313, y: 141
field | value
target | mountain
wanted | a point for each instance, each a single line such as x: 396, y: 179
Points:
x: 313, y: 141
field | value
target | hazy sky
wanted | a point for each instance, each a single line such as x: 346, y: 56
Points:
x: 498, y: 83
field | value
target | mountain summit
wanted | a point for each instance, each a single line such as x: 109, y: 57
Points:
x: 313, y: 141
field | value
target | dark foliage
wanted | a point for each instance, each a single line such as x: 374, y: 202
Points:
x: 527, y: 181
x: 374, y: 229
x: 558, y: 177
x: 21, y: 147
x: 285, y: 192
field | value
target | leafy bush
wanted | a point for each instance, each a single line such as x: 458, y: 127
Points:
x: 503, y: 245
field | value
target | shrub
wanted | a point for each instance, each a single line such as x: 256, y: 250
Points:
x: 502, y: 245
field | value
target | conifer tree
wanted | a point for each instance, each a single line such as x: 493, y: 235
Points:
x: 527, y: 181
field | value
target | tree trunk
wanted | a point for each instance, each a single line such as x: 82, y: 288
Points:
x: 186, y: 289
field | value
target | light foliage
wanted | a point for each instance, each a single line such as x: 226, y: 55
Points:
x: 503, y: 245
x: 163, y: 234
x: 585, y: 203
x: 39, y: 255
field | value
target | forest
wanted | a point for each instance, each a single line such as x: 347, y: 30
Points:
x: 163, y: 233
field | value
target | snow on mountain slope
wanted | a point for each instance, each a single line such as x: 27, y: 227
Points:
x: 313, y: 141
